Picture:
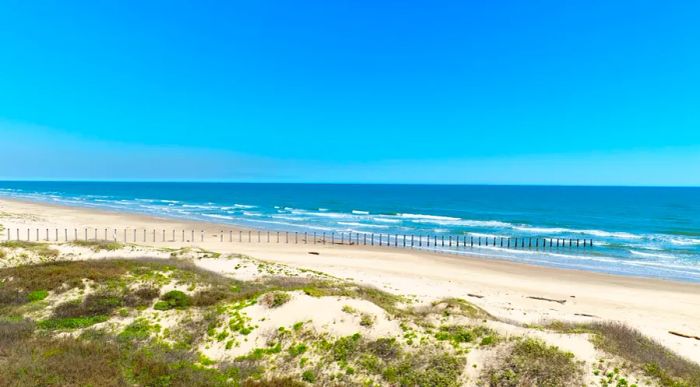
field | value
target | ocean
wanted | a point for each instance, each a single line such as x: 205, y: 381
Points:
x: 638, y: 231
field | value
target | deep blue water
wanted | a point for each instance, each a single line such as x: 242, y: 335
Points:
x: 637, y: 231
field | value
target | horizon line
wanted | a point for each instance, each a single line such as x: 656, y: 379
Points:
x: 332, y: 183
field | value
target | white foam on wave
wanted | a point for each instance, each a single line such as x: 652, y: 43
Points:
x: 464, y: 222
x: 542, y: 230
x: 356, y: 224
x: 306, y: 226
x: 199, y: 206
x: 426, y: 217
x: 561, y: 230
x: 238, y: 207
x: 336, y: 215
x: 651, y: 255
x: 681, y: 241
x: 483, y: 235
x: 386, y: 220
x: 217, y: 216
x: 289, y: 217
x: 360, y: 212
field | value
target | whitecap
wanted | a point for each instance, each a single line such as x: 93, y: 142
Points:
x: 651, y: 255
x: 427, y: 217
x: 356, y: 224
x: 216, y: 216
x: 386, y: 220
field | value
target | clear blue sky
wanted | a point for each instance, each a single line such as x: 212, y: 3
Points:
x: 542, y: 92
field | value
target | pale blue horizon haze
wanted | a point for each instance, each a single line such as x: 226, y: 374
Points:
x: 450, y: 92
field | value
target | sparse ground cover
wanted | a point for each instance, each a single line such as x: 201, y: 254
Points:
x: 169, y: 322
x: 98, y: 245
x: 638, y: 353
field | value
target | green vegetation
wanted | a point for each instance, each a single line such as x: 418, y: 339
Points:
x: 140, y: 329
x: 70, y: 322
x: 173, y: 299
x: 40, y: 249
x: 98, y: 245
x: 212, y: 315
x: 458, y: 334
x: 308, y: 376
x: 349, y: 309
x: 37, y: 295
x: 296, y: 350
x: 275, y: 299
x: 531, y: 362
x: 647, y: 355
x: 366, y: 320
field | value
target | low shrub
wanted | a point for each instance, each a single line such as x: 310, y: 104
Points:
x: 210, y: 297
x: 531, y: 362
x: 308, y: 376
x: 173, y: 299
x: 141, y: 296
x: 70, y: 322
x: 346, y: 347
x: 37, y: 295
x: 136, y: 331
x: 93, y: 305
x: 275, y: 299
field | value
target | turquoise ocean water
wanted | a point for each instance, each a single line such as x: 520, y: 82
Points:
x: 651, y: 232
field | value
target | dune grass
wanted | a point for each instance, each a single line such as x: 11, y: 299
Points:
x: 98, y: 245
x: 531, y: 362
x: 41, y: 249
x: 646, y: 354
x: 135, y: 354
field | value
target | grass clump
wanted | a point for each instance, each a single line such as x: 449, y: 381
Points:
x: 308, y: 376
x: 349, y: 309
x: 367, y: 320
x: 141, y: 296
x: 69, y: 323
x: 426, y: 369
x: 298, y: 349
x: 138, y: 330
x: 37, y: 295
x: 458, y: 306
x: 345, y: 347
x: 657, y: 361
x: 531, y: 362
x: 40, y: 249
x: 98, y: 245
x: 92, y: 305
x: 651, y: 357
x: 457, y: 334
x: 173, y: 299
x: 275, y: 299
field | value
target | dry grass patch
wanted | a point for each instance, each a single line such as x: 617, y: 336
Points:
x: 98, y: 245
x: 40, y: 249
x: 657, y: 361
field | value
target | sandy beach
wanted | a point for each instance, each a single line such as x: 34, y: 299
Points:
x: 509, y: 291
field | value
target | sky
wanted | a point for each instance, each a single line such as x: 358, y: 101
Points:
x: 454, y: 92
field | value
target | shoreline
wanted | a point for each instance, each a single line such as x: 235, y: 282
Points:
x: 211, y: 226
x: 512, y: 291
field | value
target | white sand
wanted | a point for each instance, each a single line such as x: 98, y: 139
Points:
x: 655, y: 307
